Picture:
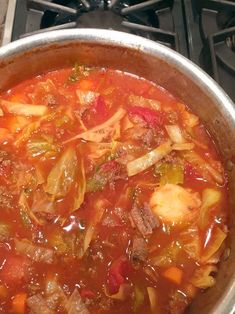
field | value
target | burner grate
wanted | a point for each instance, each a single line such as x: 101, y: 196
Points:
x: 158, y: 20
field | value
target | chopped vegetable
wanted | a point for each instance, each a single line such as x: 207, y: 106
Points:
x: 170, y: 173
x: 183, y: 146
x: 86, y: 97
x: 19, y: 303
x: 191, y: 242
x: 25, y: 211
x: 153, y: 299
x: 173, y: 274
x: 80, y: 186
x: 139, y: 298
x: 38, y: 305
x: 144, y: 162
x: 4, y: 232
x: 216, y: 241
x: 62, y: 175
x: 101, y: 131
x: 144, y: 102
x: 78, y: 72
x: 23, y: 109
x: 75, y: 304
x: 34, y: 252
x: 210, y: 198
x: 203, y: 167
x: 175, y: 134
x: 181, y: 210
x: 123, y: 293
x: 203, y: 277
x: 168, y: 256
x: 42, y: 147
x: 151, y: 117
x: 118, y: 272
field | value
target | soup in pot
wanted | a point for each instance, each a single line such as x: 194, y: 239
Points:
x: 113, y: 197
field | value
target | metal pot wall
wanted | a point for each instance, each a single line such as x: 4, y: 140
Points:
x: 44, y: 52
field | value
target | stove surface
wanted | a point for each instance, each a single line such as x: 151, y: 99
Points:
x: 202, y: 30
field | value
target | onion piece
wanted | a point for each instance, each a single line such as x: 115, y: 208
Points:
x: 80, y: 186
x: 183, y: 146
x: 75, y: 304
x: 202, y: 277
x: 144, y: 162
x: 152, y: 298
x: 23, y: 109
x: 175, y: 133
x: 144, y: 102
x: 86, y: 97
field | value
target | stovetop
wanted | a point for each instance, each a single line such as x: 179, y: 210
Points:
x: 202, y: 30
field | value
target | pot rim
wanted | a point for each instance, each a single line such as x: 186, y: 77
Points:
x: 146, y: 46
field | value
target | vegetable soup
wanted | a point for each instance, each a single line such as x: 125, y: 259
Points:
x: 113, y: 197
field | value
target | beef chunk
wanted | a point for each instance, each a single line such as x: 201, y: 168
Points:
x: 144, y: 219
x: 139, y: 251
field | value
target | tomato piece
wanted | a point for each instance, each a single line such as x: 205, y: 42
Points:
x: 190, y: 173
x: 151, y: 117
x: 15, y: 270
x: 117, y: 274
x: 86, y: 293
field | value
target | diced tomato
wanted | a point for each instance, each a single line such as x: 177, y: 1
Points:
x: 86, y: 293
x: 151, y: 117
x: 117, y: 274
x: 14, y: 270
x: 190, y: 172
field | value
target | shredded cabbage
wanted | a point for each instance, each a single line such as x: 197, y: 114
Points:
x: 202, y: 277
x: 170, y: 173
x: 175, y: 133
x: 62, y: 175
x: 24, y: 109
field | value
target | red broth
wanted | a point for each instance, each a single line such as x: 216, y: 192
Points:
x: 113, y: 196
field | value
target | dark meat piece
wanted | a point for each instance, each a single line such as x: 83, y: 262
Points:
x: 144, y: 219
x: 145, y: 135
x: 139, y: 251
x: 38, y: 305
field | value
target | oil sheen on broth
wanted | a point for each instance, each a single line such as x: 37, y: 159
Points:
x: 113, y: 196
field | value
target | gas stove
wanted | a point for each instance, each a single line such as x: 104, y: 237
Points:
x: 201, y: 30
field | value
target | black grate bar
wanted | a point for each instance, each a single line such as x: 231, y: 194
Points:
x: 43, y: 5
x: 162, y: 35
x: 113, y: 3
x: 218, y: 5
x: 86, y: 4
x: 146, y: 5
x: 53, y: 28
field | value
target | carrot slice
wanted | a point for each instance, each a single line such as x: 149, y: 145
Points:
x: 174, y: 274
x: 19, y: 302
x: 86, y: 84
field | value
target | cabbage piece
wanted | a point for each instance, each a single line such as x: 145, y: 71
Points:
x: 144, y: 102
x: 203, y: 167
x: 38, y: 305
x: 191, y: 243
x: 210, y: 197
x: 138, y: 299
x: 168, y: 255
x: 123, y: 293
x: 101, y: 131
x: 175, y: 133
x: 25, y: 211
x: 144, y: 162
x: 24, y: 109
x: 202, y: 277
x: 217, y: 238
x: 152, y: 293
x: 27, y: 132
x: 55, y: 295
x: 34, y: 252
x: 86, y: 97
x: 4, y: 232
x: 42, y: 147
x: 170, y: 173
x: 62, y: 175
x: 75, y: 304
x: 183, y: 146
x: 80, y: 186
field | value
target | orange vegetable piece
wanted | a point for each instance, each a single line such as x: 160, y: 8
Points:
x: 3, y: 291
x: 174, y: 274
x: 86, y: 85
x: 19, y: 303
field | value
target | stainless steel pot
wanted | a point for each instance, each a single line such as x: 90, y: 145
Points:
x: 36, y: 54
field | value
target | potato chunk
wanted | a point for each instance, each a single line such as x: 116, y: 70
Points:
x: 174, y: 204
